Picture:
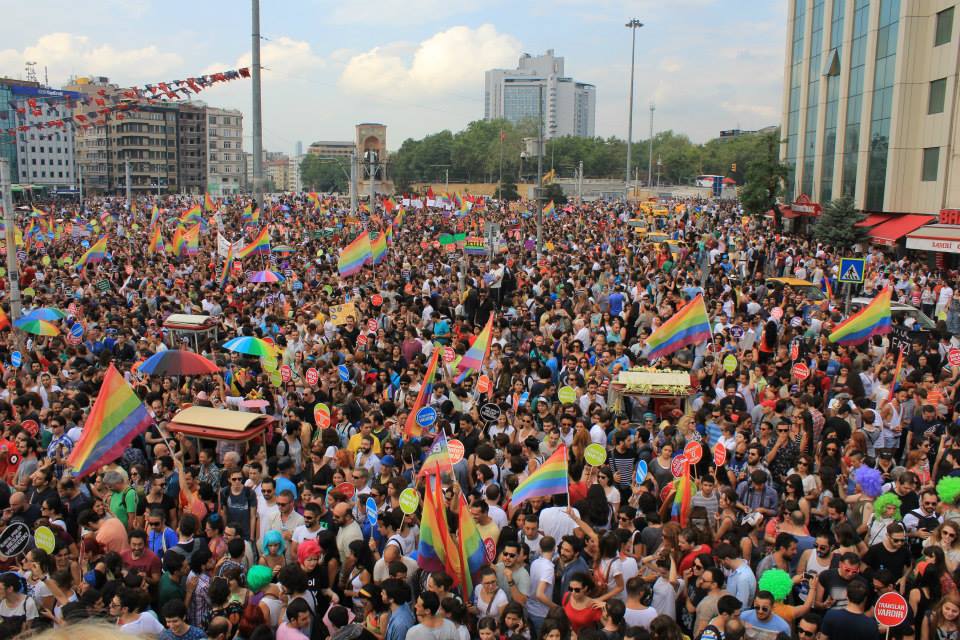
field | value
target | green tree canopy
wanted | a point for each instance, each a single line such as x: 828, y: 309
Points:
x: 325, y: 174
x: 836, y: 226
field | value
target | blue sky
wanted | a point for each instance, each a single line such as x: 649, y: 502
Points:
x: 417, y: 65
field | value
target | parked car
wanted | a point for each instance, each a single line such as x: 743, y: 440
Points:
x: 809, y: 290
x: 905, y: 315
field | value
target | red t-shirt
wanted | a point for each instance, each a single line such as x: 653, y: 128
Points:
x: 146, y: 564
x: 580, y: 618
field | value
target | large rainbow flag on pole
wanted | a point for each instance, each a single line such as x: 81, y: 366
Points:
x: 208, y: 204
x: 191, y: 240
x: 473, y: 359
x: 438, y: 458
x: 872, y: 320
x: 96, y: 253
x: 261, y: 244
x: 436, y: 551
x: 690, y: 325
x: 683, y: 496
x: 227, y: 266
x: 378, y: 248
x: 354, y: 255
x: 156, y: 241
x: 191, y: 215
x: 411, y: 428
x: 471, y: 549
x: 118, y: 416
x: 551, y: 478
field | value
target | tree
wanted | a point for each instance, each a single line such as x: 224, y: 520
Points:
x: 508, y: 191
x: 763, y: 182
x: 837, y: 225
x: 323, y: 174
x: 554, y: 192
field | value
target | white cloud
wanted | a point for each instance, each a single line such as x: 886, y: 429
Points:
x: 454, y: 59
x: 67, y: 54
x: 397, y: 12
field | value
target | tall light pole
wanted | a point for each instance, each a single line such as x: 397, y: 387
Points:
x: 257, y: 116
x: 653, y: 108
x: 633, y: 25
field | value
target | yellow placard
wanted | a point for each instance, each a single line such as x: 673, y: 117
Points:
x: 339, y: 313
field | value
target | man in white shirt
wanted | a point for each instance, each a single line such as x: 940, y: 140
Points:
x: 542, y: 575
x: 555, y: 522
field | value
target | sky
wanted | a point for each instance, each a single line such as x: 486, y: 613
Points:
x: 417, y: 65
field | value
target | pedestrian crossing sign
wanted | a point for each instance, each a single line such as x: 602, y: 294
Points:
x: 851, y: 270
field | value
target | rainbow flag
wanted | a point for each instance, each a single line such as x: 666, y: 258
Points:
x: 689, y: 326
x: 473, y: 359
x: 225, y: 276
x: 176, y: 244
x: 247, y: 215
x: 154, y: 215
x: 208, y: 204
x: 827, y: 289
x: 260, y: 245
x: 354, y: 255
x: 472, y: 553
x: 436, y: 551
x: 550, y: 209
x: 438, y: 458
x: 465, y: 206
x: 411, y: 428
x: 96, y: 253
x: 872, y: 320
x: 313, y: 199
x: 551, y: 478
x: 193, y: 214
x: 378, y: 248
x: 191, y: 241
x: 156, y: 242
x: 683, y: 496
x: 118, y: 416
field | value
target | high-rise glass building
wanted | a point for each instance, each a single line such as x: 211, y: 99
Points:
x: 870, y: 103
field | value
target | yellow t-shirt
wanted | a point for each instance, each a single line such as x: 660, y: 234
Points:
x: 353, y: 445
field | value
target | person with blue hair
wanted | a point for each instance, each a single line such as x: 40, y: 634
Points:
x: 274, y: 549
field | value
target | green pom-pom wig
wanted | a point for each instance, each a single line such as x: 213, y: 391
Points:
x: 882, y: 501
x: 777, y: 582
x: 948, y: 489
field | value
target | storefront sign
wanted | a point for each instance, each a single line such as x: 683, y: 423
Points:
x: 946, y: 245
x: 804, y: 206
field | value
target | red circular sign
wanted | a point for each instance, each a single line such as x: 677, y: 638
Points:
x: 693, y: 451
x: 376, y: 299
x: 719, y: 454
x: 483, y: 384
x: 800, y: 371
x: 449, y: 354
x: 74, y: 340
x: 953, y: 357
x: 490, y: 550
x: 361, y: 339
x: 676, y: 466
x: 372, y: 325
x: 286, y: 373
x: 794, y: 350
x: 72, y: 309
x: 891, y: 609
x: 666, y: 492
x: 31, y: 427
x: 346, y: 489
x: 455, y: 448
x: 313, y: 376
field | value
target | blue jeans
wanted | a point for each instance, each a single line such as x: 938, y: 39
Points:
x: 536, y: 622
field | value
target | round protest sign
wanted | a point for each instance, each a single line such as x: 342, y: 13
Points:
x: 449, y: 354
x: 14, y: 539
x: 567, y: 395
x: 16, y: 359
x: 344, y: 372
x: 730, y: 363
x: 321, y: 415
x: 286, y: 373
x: 456, y: 450
x: 31, y: 427
x: 489, y: 549
x: 44, y: 539
x: 693, y: 451
x: 719, y: 454
x: 595, y: 455
x: 409, y: 501
x: 313, y: 376
x: 490, y: 412
x: 372, y: 325
x: 677, y: 465
x: 800, y: 371
x: 361, y: 339
x: 794, y: 350
x: 426, y: 416
x: 776, y: 313
x: 891, y: 609
x: 371, y: 507
x: 376, y: 299
x: 953, y: 357
x: 641, y: 473
x: 346, y: 489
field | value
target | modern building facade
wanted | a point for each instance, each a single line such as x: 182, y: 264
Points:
x: 37, y: 156
x: 870, y: 103
x: 225, y: 166
x: 192, y: 148
x: 569, y: 107
x: 332, y: 148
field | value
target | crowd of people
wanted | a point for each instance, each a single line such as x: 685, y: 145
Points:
x: 833, y: 489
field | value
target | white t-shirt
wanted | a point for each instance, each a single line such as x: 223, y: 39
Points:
x: 499, y: 516
x: 302, y: 533
x: 145, y: 625
x: 639, y: 617
x: 492, y: 608
x: 555, y: 522
x: 26, y: 608
x: 541, y: 571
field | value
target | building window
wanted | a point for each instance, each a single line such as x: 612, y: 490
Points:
x: 938, y: 93
x: 944, y: 28
x: 931, y: 162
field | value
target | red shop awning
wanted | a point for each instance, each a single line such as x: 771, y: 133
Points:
x: 892, y: 230
x: 785, y: 211
x: 874, y: 219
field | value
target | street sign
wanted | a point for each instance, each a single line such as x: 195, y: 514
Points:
x: 890, y: 610
x: 851, y: 270
x: 344, y: 372
x: 641, y: 473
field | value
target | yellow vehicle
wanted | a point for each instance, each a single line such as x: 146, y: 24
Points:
x: 639, y: 225
x: 676, y: 246
x: 656, y: 237
x: 661, y: 212
x: 809, y: 290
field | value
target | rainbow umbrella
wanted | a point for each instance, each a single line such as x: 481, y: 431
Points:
x: 266, y: 276
x: 252, y: 347
x: 174, y: 362
x: 36, y: 327
x: 46, y: 313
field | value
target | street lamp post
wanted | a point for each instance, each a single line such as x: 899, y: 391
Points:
x: 633, y: 25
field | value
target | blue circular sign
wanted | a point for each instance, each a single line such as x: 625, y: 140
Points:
x: 16, y: 359
x: 297, y: 285
x: 426, y: 416
x: 76, y: 330
x: 523, y: 398
x: 85, y: 244
x: 344, y: 372
x: 641, y: 471
x: 372, y: 511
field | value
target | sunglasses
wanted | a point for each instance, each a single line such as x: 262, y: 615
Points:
x: 574, y: 589
x: 804, y: 632
x: 283, y: 504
